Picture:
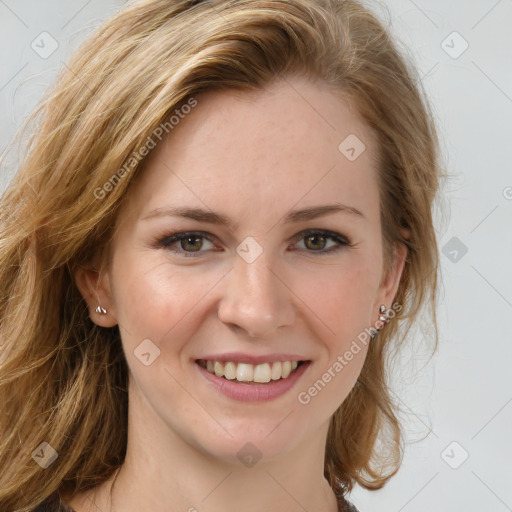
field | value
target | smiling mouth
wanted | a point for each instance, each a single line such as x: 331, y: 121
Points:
x: 249, y: 373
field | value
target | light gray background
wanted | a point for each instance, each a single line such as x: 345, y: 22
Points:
x: 464, y: 394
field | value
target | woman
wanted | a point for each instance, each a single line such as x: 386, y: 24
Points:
x: 220, y: 227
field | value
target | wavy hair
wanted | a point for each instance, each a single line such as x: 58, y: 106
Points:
x: 63, y: 379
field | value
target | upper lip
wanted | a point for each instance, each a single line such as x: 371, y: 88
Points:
x: 239, y: 357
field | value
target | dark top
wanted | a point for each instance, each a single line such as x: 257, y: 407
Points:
x: 57, y: 506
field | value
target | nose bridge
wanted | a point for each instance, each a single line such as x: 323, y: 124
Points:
x: 255, y: 298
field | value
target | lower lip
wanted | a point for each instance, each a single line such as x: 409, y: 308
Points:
x: 254, y: 392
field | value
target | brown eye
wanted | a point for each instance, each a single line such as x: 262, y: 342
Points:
x: 315, y: 242
x: 191, y: 243
x: 323, y: 242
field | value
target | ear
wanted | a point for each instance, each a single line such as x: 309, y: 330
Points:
x: 96, y: 290
x: 391, y: 280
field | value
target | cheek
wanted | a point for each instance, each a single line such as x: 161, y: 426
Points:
x: 342, y: 300
x: 152, y: 302
x: 341, y: 297
x: 156, y: 304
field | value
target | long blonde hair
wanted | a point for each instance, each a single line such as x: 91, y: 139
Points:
x: 63, y: 379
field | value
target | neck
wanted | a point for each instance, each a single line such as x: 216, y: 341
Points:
x: 163, y: 471
x: 217, y: 489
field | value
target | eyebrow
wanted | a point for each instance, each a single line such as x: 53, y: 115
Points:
x: 211, y: 217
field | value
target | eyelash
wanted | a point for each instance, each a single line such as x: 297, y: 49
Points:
x: 167, y: 241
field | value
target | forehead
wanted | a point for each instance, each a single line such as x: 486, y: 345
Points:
x: 291, y: 144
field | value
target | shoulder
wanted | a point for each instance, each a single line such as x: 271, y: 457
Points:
x: 53, y: 506
x: 346, y: 506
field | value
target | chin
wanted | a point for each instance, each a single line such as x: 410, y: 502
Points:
x: 250, y: 442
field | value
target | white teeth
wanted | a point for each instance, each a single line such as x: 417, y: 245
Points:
x: 262, y: 373
x: 276, y: 371
x: 243, y: 372
x: 286, y: 370
x: 230, y: 371
x: 219, y: 369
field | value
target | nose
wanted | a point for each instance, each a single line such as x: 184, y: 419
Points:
x: 257, y: 298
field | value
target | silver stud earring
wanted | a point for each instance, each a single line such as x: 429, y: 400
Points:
x: 384, y: 314
x: 101, y: 311
x: 383, y: 317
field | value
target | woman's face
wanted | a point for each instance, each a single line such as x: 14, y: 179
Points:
x: 283, y: 261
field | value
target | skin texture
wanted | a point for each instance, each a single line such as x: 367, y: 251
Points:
x: 252, y: 157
